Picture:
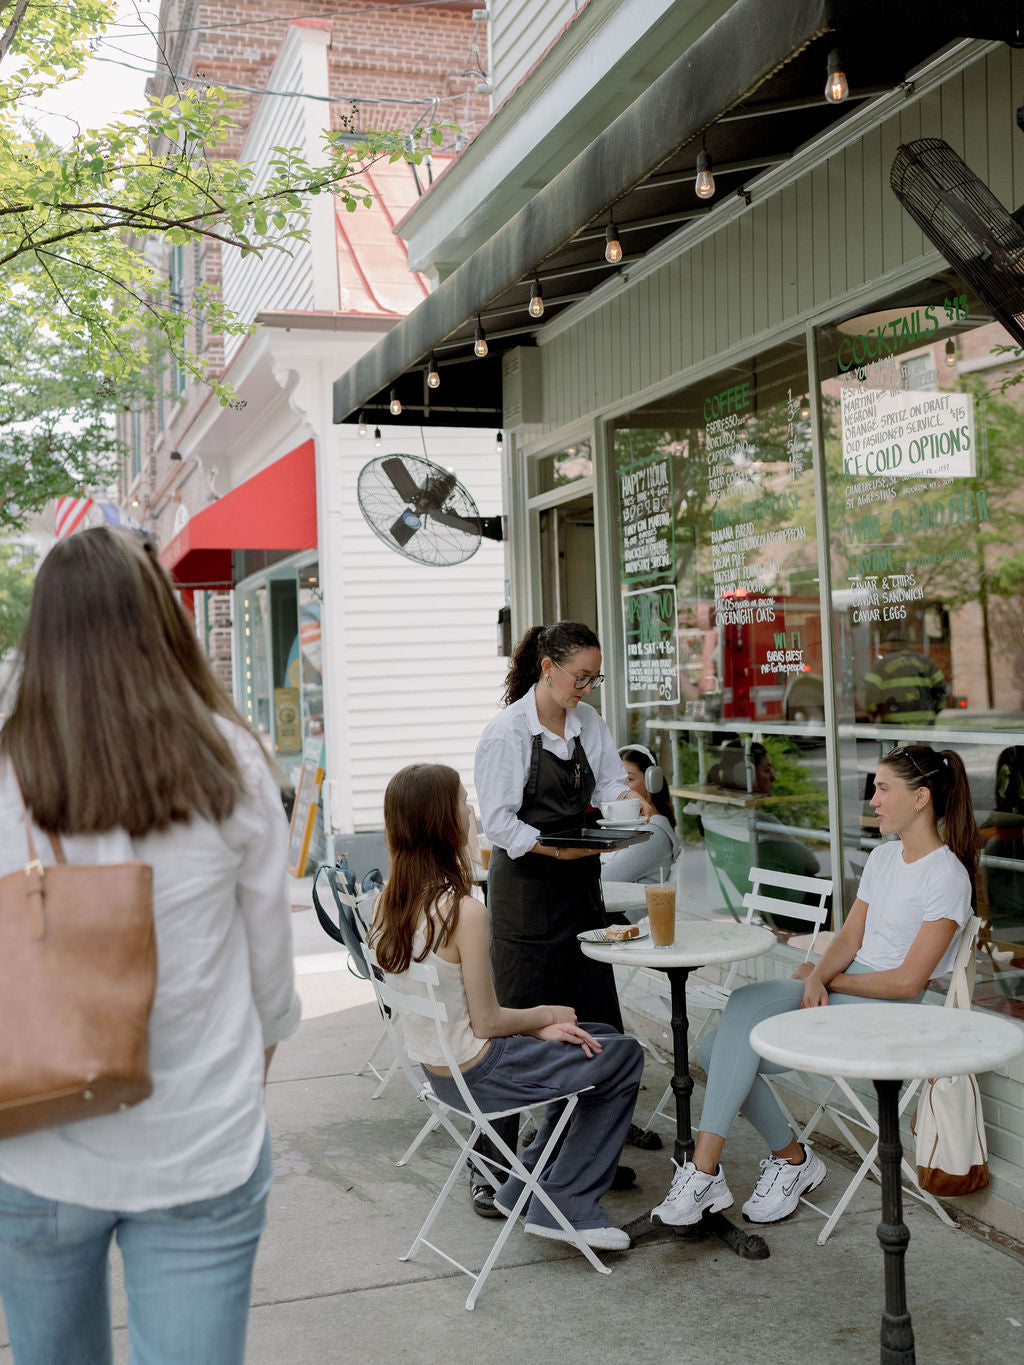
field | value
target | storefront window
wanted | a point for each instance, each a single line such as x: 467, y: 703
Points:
x: 923, y: 425
x: 254, y: 628
x: 567, y: 466
x: 311, y: 680
x: 722, y: 618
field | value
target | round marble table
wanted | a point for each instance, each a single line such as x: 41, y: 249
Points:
x: 698, y: 943
x: 885, y: 1043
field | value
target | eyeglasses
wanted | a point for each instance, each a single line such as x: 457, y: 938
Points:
x: 581, y: 684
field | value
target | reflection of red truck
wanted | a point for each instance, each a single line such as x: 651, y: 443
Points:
x: 771, y: 654
x: 771, y: 657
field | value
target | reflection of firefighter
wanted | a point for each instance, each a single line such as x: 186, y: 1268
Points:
x: 903, y: 687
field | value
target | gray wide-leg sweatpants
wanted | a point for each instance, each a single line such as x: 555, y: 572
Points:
x: 529, y: 1071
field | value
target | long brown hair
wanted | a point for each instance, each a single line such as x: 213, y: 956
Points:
x: 113, y: 722
x: 944, y: 775
x: 558, y: 643
x: 429, y: 862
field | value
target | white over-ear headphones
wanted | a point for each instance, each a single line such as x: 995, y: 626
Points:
x: 654, y: 778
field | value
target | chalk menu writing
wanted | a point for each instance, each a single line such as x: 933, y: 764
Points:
x: 646, y: 521
x: 742, y: 531
x: 727, y: 448
x: 652, y: 652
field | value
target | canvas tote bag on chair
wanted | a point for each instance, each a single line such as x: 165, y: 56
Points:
x: 77, y: 979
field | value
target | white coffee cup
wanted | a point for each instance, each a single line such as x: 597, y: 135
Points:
x: 622, y: 811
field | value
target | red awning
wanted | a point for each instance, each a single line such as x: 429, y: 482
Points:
x: 274, y: 510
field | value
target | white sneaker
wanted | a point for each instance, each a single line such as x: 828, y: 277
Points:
x: 781, y: 1186
x: 693, y: 1194
x: 601, y: 1239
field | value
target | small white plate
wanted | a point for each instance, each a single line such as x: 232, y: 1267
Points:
x: 598, y: 936
x: 623, y: 824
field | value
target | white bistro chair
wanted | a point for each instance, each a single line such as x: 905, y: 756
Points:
x: 958, y: 996
x: 415, y: 995
x: 758, y: 902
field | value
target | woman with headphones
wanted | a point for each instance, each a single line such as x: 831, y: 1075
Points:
x: 649, y: 862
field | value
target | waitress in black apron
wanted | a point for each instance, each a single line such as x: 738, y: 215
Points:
x: 541, y: 763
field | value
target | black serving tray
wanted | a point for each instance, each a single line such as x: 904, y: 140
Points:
x: 604, y: 840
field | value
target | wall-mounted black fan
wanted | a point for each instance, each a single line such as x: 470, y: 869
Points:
x: 422, y: 511
x: 959, y: 213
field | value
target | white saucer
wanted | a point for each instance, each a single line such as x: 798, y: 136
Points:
x: 623, y: 824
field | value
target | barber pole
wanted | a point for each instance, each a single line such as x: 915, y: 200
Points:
x: 70, y: 514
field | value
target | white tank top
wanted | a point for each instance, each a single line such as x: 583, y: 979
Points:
x: 421, y: 1040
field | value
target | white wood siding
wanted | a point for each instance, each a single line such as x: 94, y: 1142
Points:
x: 281, y: 279
x: 418, y: 644
x: 788, y: 256
x: 520, y: 32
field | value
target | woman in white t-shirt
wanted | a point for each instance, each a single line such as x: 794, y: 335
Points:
x: 904, y: 928
x: 508, y: 1057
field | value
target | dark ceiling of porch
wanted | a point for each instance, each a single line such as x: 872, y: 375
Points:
x: 648, y: 192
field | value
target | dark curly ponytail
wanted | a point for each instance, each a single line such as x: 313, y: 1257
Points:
x: 558, y: 642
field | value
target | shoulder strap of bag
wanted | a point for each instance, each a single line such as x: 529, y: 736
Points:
x: 55, y: 844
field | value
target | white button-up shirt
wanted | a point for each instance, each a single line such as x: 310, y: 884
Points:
x: 503, y: 766
x: 225, y: 991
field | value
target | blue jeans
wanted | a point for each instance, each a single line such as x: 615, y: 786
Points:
x: 187, y: 1273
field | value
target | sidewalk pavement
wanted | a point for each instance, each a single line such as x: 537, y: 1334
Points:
x: 329, y: 1285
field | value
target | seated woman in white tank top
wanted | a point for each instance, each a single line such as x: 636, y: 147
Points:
x: 508, y: 1057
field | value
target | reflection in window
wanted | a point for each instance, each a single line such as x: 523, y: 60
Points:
x: 722, y: 620
x: 923, y: 425
x: 567, y: 466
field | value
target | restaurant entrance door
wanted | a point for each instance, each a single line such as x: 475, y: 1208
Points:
x: 568, y: 571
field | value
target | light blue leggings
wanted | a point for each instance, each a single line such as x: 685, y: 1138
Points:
x: 734, y: 1069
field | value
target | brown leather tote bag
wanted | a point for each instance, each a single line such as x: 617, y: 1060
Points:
x: 77, y: 979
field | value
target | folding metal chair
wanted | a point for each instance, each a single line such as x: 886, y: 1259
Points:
x: 349, y: 928
x: 413, y: 993
x: 958, y: 996
x: 713, y: 996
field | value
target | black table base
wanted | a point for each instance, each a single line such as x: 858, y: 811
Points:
x: 747, y: 1245
x: 897, y: 1331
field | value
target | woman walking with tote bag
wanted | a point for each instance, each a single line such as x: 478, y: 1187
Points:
x: 121, y: 743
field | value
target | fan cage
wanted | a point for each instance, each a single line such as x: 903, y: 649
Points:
x: 961, y: 216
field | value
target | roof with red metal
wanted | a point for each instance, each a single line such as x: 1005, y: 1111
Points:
x: 373, y: 264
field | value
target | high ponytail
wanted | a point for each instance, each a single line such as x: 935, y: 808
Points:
x: 960, y: 829
x: 558, y: 642
x: 943, y: 773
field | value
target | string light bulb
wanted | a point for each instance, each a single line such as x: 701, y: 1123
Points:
x: 805, y: 408
x: 499, y: 443
x: 705, y: 182
x: 836, y: 87
x: 362, y: 425
x: 395, y: 406
x: 536, y: 300
x: 480, y: 341
x: 612, y: 245
x: 433, y: 378
x: 376, y: 436
x: 950, y: 352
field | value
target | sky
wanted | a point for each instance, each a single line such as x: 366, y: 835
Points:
x: 108, y: 88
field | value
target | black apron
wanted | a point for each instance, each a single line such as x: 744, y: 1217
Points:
x: 539, y: 904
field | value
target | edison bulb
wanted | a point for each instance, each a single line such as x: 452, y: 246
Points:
x: 613, y: 247
x: 705, y: 182
x: 836, y: 87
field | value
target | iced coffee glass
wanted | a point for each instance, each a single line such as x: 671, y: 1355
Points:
x: 661, y: 914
